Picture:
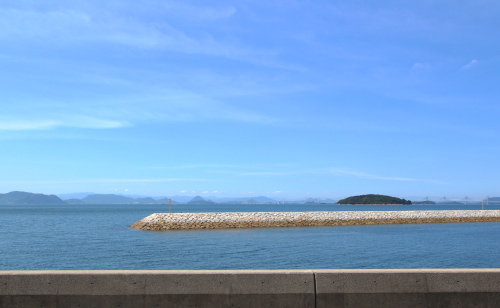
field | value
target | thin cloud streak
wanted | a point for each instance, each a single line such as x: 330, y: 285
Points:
x: 470, y: 65
x: 220, y: 166
x: 358, y: 174
x: 119, y: 113
x: 78, y: 181
x: 84, y: 122
x: 95, y: 26
x: 328, y: 171
x: 264, y: 173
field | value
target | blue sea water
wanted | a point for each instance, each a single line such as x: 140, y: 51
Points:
x: 98, y: 237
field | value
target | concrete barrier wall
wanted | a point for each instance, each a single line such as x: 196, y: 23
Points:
x: 252, y: 288
x: 408, y: 288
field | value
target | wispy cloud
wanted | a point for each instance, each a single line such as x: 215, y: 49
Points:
x: 186, y: 107
x: 124, y: 27
x: 75, y: 122
x: 204, y: 166
x: 125, y: 112
x: 234, y: 170
x: 271, y: 171
x: 363, y: 175
x: 262, y: 173
x: 290, y: 171
x: 198, y: 13
x: 108, y: 180
x: 161, y: 180
x: 423, y: 67
x: 175, y: 106
x: 470, y: 65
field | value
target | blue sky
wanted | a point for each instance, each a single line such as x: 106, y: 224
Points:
x: 287, y: 99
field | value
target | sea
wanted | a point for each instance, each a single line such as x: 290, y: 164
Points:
x: 91, y: 237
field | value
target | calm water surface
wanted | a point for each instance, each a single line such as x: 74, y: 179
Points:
x: 98, y: 237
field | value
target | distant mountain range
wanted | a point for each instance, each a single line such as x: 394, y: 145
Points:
x: 119, y: 199
x: 18, y: 197
x: 89, y: 198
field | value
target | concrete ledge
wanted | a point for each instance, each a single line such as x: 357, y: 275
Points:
x: 252, y: 288
x: 157, y: 288
x: 408, y: 288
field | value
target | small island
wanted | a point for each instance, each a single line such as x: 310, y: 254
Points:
x: 372, y: 199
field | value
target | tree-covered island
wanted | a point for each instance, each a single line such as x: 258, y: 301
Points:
x: 373, y: 199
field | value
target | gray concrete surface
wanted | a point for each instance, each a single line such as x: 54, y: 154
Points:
x: 157, y: 288
x: 252, y: 288
x: 408, y: 288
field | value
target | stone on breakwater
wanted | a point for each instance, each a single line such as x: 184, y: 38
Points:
x: 184, y: 221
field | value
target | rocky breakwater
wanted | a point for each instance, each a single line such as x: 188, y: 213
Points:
x: 184, y: 221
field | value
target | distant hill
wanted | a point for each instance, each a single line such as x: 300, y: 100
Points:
x: 493, y: 199
x: 248, y: 200
x: 20, y: 197
x: 373, y: 199
x: 80, y: 195
x: 116, y: 199
x: 107, y: 199
x: 200, y: 200
x: 178, y: 199
x: 259, y: 199
x: 147, y: 200
x: 423, y: 202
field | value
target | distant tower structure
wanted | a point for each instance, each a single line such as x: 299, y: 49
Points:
x: 465, y: 200
x: 169, y: 205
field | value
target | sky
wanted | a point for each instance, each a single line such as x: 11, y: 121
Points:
x: 287, y: 99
